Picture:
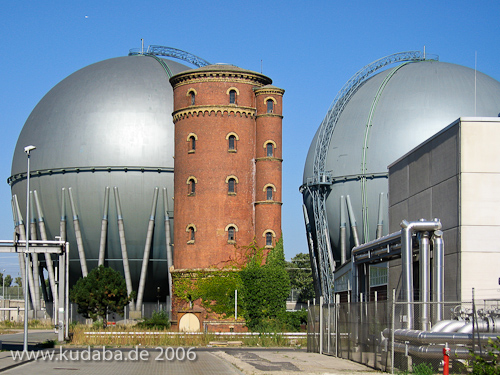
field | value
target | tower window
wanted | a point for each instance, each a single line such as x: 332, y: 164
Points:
x: 232, y: 142
x: 270, y: 106
x: 191, y: 231
x: 191, y: 186
x: 232, y: 97
x: 193, y: 98
x: 269, y: 193
x: 269, y: 149
x: 231, y: 186
x: 192, y: 141
x: 231, y: 234
x: 269, y: 239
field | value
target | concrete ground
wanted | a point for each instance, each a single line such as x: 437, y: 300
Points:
x: 220, y: 361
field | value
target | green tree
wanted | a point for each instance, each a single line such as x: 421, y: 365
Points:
x: 102, y: 291
x: 7, y: 281
x: 265, y: 289
x: 19, y: 281
x: 299, y: 269
x: 1, y: 279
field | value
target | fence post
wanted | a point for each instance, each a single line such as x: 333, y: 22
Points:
x: 320, y: 324
x: 393, y: 313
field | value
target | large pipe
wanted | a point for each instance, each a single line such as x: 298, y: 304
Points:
x: 22, y: 228
x: 406, y: 259
x: 421, y: 337
x: 17, y: 235
x: 104, y: 228
x: 317, y: 275
x: 438, y: 274
x: 62, y: 223
x: 352, y: 219
x: 147, y: 249
x: 425, y: 285
x: 343, y: 223
x: 48, y: 257
x: 168, y: 241
x: 486, y: 325
x: 78, y: 235
x: 34, y: 256
x: 380, y: 223
x: 123, y: 244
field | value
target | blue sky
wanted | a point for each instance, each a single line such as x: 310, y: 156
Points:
x: 308, y: 48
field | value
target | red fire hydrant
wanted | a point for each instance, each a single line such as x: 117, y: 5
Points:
x: 446, y: 360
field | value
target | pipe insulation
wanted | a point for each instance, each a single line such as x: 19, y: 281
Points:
x: 343, y: 224
x: 438, y: 273
x: 352, y: 219
x: 408, y: 228
x: 168, y: 242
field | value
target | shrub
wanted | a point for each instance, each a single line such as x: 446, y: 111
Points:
x: 159, y: 320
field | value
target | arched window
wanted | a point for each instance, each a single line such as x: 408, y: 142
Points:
x: 193, y: 97
x: 232, y: 97
x: 270, y: 106
x: 269, y: 193
x: 231, y: 234
x: 191, y: 230
x: 269, y: 239
x: 231, y: 186
x: 232, y: 142
x: 269, y: 149
x: 191, y: 182
x: 192, y: 142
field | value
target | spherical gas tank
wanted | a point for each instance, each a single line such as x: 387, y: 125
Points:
x: 389, y: 114
x: 104, y: 141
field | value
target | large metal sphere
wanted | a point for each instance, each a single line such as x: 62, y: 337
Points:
x: 420, y: 99
x: 106, y: 125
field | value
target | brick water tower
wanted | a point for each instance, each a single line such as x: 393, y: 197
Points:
x: 228, y: 155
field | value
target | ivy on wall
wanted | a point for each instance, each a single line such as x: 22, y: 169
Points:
x: 262, y: 282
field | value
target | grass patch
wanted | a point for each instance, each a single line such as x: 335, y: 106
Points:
x: 130, y: 336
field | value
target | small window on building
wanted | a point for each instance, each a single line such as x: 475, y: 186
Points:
x: 192, y: 142
x: 193, y: 97
x: 232, y: 142
x: 232, y: 97
x: 269, y: 149
x: 269, y: 193
x: 192, y: 187
x: 270, y: 106
x: 231, y: 234
x: 269, y: 239
x: 191, y: 234
x: 231, y: 186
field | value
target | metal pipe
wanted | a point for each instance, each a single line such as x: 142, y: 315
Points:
x: 343, y: 244
x: 48, y: 257
x: 168, y: 241
x: 426, y: 337
x: 34, y: 257
x: 29, y: 289
x: 406, y: 257
x: 487, y: 325
x: 62, y: 223
x: 438, y: 273
x: 123, y: 244
x: 352, y: 219
x: 104, y: 228
x: 440, y: 325
x: 432, y: 351
x: 60, y: 312
x: 317, y: 275
x: 380, y: 223
x: 147, y: 249
x: 78, y: 235
x: 425, y: 285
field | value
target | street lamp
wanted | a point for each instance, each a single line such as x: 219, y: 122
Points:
x: 3, y: 292
x: 28, y: 150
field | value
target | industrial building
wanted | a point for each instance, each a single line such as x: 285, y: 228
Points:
x: 125, y: 164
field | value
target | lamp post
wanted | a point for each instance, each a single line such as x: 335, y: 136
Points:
x: 28, y: 150
x: 3, y: 292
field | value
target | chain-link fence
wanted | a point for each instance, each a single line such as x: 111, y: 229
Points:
x: 396, y: 336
